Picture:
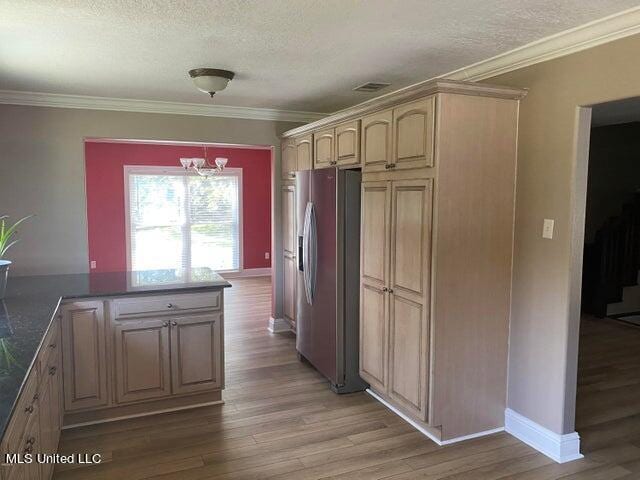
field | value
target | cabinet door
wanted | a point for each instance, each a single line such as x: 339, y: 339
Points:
x: 290, y: 273
x: 304, y: 149
x: 142, y: 369
x: 288, y: 154
x: 84, y: 355
x: 413, y: 131
x: 196, y: 353
x: 374, y: 259
x: 289, y: 219
x: 348, y: 143
x: 377, y: 141
x: 411, y: 204
x: 323, y: 149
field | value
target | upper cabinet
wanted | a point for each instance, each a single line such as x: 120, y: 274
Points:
x: 304, y: 152
x: 323, y: 148
x: 399, y: 138
x: 413, y: 130
x: 377, y: 141
x: 288, y: 159
x: 348, y: 143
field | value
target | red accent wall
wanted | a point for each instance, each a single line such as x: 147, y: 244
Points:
x: 105, y: 163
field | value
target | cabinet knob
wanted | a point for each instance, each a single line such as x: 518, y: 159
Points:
x: 169, y: 305
x: 29, y: 409
x: 52, y: 370
x: 31, y: 440
x: 36, y: 397
x: 174, y: 323
x: 385, y: 289
x: 28, y: 448
x: 392, y: 165
x: 52, y: 345
x: 387, y: 166
x: 165, y: 324
x: 391, y: 290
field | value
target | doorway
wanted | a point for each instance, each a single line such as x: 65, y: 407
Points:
x: 606, y: 261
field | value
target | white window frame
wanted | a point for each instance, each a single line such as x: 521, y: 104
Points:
x: 179, y: 171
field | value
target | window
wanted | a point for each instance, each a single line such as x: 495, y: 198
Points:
x: 179, y: 220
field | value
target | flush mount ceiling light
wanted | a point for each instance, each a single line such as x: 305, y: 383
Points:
x: 210, y: 80
x: 202, y: 166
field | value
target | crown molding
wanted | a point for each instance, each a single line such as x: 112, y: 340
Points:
x: 39, y: 99
x: 407, y: 94
x: 583, y: 37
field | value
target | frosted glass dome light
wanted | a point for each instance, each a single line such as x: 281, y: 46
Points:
x: 210, y: 80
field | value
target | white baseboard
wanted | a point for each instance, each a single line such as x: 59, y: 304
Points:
x: 561, y: 448
x: 278, y: 325
x: 249, y: 272
x: 426, y: 432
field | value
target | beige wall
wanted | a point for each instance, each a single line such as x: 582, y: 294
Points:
x: 544, y: 323
x: 42, y: 171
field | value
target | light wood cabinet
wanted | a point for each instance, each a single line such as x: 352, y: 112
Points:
x: 374, y: 268
x: 288, y: 158
x: 290, y: 289
x: 377, y: 141
x: 289, y: 219
x: 31, y: 444
x: 348, y: 143
x: 413, y: 134
x: 304, y: 152
x: 142, y: 362
x: 324, y: 148
x: 50, y: 397
x: 438, y: 170
x: 289, y: 247
x: 196, y: 353
x: 411, y: 207
x: 84, y: 355
x: 395, y: 237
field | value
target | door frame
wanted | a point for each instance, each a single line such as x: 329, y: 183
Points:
x: 578, y: 206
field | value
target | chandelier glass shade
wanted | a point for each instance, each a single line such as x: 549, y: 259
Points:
x: 202, y: 166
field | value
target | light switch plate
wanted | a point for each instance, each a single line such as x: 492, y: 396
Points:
x: 267, y: 255
x: 547, y: 228
x: 93, y: 264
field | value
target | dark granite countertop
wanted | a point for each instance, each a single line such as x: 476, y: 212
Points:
x: 30, y: 303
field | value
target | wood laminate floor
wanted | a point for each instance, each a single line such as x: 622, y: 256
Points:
x: 280, y: 421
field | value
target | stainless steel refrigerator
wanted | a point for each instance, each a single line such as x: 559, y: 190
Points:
x: 328, y: 233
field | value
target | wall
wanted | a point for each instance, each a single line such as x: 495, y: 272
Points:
x: 42, y: 172
x: 544, y: 323
x: 104, y: 167
x: 614, y: 173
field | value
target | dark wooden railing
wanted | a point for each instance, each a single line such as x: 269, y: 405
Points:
x: 612, y: 261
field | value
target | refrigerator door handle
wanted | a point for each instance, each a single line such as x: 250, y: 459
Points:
x: 309, y: 252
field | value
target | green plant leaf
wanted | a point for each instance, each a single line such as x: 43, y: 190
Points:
x: 4, y: 250
x: 7, y: 233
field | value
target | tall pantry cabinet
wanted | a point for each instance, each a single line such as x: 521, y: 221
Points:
x: 438, y: 167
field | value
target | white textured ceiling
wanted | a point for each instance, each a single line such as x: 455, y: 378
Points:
x: 289, y: 54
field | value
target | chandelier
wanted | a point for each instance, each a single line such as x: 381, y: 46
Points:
x: 202, y: 166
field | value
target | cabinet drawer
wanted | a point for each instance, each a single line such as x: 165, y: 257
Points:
x: 165, y: 304
x: 48, y: 354
x: 26, y: 408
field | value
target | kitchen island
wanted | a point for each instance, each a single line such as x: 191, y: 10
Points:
x: 84, y: 348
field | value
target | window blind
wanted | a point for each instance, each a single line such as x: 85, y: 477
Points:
x: 184, y: 221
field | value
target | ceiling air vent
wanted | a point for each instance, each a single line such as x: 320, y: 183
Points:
x: 371, y: 87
